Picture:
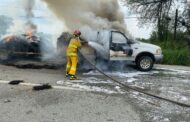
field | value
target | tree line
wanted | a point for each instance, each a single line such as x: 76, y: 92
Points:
x: 171, y: 19
x: 167, y: 15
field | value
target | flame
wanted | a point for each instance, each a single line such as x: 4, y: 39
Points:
x: 9, y: 38
x: 29, y: 34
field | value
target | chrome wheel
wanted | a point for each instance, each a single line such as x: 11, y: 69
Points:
x: 145, y: 63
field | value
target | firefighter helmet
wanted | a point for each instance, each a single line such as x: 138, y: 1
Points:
x: 77, y: 33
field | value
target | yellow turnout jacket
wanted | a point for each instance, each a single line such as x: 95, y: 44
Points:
x: 74, y: 44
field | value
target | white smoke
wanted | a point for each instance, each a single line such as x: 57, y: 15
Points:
x: 90, y: 16
x: 25, y: 24
x: 29, y: 6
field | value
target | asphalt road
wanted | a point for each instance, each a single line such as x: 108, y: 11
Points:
x: 22, y: 104
x: 94, y: 98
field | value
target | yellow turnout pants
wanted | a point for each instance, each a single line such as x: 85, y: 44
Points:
x: 71, y: 67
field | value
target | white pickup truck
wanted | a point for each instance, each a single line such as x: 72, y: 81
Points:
x: 116, y: 46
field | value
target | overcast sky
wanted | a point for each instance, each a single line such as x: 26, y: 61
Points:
x: 46, y: 21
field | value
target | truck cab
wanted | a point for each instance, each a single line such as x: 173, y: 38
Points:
x: 120, y: 48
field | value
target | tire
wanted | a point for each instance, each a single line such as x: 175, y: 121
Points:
x: 145, y: 63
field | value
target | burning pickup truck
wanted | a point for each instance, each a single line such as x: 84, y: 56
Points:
x: 115, y: 46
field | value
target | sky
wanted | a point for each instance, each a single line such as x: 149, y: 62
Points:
x: 45, y: 19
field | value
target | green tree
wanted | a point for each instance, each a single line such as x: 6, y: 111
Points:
x: 185, y: 19
x: 155, y: 11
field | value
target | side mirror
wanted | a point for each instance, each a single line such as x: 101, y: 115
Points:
x: 129, y: 42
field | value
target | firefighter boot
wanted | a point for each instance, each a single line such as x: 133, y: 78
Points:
x: 73, y: 77
x: 67, y: 75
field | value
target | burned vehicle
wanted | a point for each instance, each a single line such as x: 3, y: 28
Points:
x: 112, y: 45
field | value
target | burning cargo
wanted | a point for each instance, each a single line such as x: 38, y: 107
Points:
x: 20, y: 45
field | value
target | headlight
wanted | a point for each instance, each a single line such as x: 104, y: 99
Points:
x: 158, y: 51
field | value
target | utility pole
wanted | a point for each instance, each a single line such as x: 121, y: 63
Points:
x: 175, y: 26
x: 160, y: 23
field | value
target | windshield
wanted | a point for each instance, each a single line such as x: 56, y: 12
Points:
x: 119, y: 38
x: 130, y: 38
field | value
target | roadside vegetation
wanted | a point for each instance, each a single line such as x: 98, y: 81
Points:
x: 176, y: 52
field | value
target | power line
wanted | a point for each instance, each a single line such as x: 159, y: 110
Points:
x: 139, y: 17
x: 17, y: 7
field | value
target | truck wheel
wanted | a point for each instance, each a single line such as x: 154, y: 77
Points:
x: 145, y: 63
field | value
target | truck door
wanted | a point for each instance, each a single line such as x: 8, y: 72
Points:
x: 119, y: 47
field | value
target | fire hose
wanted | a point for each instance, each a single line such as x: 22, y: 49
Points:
x: 127, y: 87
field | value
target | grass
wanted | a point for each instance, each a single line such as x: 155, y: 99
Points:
x: 177, y: 56
x: 176, y: 52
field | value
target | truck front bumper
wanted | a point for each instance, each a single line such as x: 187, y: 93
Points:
x: 159, y: 58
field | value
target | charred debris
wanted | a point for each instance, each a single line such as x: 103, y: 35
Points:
x: 20, y: 45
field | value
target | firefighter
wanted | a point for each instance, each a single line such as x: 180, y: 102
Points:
x: 72, y: 55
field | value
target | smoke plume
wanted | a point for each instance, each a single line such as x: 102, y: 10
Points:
x: 26, y: 24
x: 96, y: 14
x: 29, y: 6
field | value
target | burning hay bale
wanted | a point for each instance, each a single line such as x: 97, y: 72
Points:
x: 23, y: 44
x: 63, y: 42
x: 64, y: 39
x: 20, y: 45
